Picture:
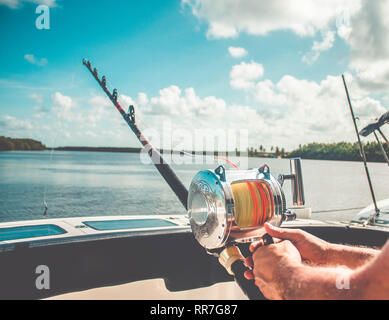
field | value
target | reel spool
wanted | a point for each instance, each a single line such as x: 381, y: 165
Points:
x: 232, y: 206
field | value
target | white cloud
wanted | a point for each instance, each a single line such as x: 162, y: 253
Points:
x: 312, y: 111
x: 12, y: 123
x: 286, y: 113
x: 243, y: 74
x: 237, y: 52
x: 36, y: 97
x: 100, y: 109
x: 99, y: 101
x: 169, y: 102
x: 363, y: 24
x: 265, y: 93
x: 63, y: 107
x: 10, y: 3
x: 15, y: 4
x: 90, y: 134
x: 369, y: 108
x: 142, y: 98
x: 173, y: 102
x: 368, y: 35
x: 319, y: 47
x: 228, y: 18
x: 31, y: 59
x: 125, y: 101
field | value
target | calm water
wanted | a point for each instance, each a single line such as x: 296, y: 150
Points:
x: 97, y: 183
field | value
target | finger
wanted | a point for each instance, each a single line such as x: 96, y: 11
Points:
x: 255, y: 245
x: 249, y: 275
x: 282, y: 233
x: 249, y: 262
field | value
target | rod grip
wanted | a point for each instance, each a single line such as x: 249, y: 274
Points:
x: 248, y: 286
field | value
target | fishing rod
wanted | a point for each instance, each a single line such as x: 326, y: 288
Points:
x: 383, y: 136
x: 382, y: 148
x: 164, y: 169
x: 363, y: 155
x: 225, y: 207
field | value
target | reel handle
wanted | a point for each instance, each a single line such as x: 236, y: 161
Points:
x: 267, y: 239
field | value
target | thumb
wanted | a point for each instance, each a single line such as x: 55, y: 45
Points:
x: 281, y: 233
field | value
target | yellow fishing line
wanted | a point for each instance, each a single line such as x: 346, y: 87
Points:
x: 269, y: 202
x: 252, y: 203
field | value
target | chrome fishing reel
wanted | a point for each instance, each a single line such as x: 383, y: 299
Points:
x: 231, y: 206
x: 228, y: 207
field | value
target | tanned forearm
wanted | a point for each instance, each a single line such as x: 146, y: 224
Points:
x: 373, y: 276
x: 317, y: 283
x: 352, y: 257
x: 366, y: 282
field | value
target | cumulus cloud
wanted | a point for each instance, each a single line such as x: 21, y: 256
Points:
x: 10, y: 123
x: 89, y: 114
x: 228, y: 18
x: 313, y: 111
x: 15, y: 4
x: 319, y: 47
x: 38, y: 98
x: 369, y: 58
x: 99, y: 101
x: 100, y: 108
x: 265, y: 92
x: 31, y: 59
x: 172, y: 101
x: 243, y: 74
x: 40, y: 112
x: 363, y: 24
x: 237, y: 52
x: 286, y: 113
x: 63, y: 107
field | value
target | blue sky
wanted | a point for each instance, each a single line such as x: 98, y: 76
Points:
x: 146, y: 46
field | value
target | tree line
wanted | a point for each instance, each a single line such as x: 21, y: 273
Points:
x: 340, y: 151
x: 321, y: 151
x: 261, y: 152
x: 9, y: 144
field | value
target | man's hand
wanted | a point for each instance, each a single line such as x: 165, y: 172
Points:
x: 271, y: 264
x: 279, y: 272
x: 312, y: 249
x: 318, y: 252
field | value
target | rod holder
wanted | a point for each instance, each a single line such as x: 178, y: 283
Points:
x: 297, y: 182
x: 296, y: 177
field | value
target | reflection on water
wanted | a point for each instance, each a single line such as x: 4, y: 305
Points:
x: 99, y: 183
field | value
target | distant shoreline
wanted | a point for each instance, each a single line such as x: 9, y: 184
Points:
x: 97, y: 149
x: 340, y: 151
x: 138, y: 150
